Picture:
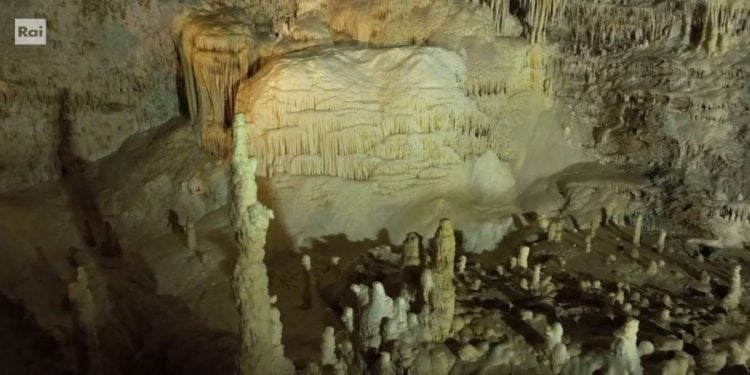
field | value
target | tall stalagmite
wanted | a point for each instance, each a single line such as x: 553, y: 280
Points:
x: 261, y: 350
x: 442, y: 295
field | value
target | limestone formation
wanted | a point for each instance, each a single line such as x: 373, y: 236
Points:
x: 216, y: 49
x: 378, y: 307
x: 637, y: 229
x: 442, y: 295
x: 661, y: 241
x: 190, y: 235
x: 362, y: 123
x: 261, y: 350
x: 308, y: 281
x: 523, y: 257
x: 328, y: 347
x: 732, y: 300
x: 461, y: 264
x: 411, y: 252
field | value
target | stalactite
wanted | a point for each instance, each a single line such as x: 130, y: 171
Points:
x: 309, y: 132
x: 722, y: 19
x: 500, y: 12
x: 261, y: 350
x: 216, y: 53
x: 605, y: 24
x: 539, y: 15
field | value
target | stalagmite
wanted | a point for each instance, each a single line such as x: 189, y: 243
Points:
x: 261, y: 350
x: 544, y: 223
x: 637, y: 229
x: 442, y: 295
x: 379, y: 307
x: 347, y: 317
x: 410, y: 256
x: 653, y: 268
x: 82, y: 300
x: 328, y: 347
x: 384, y: 365
x: 426, y: 285
x: 732, y: 300
x: 192, y: 242
x: 523, y: 257
x: 552, y: 231
x: 588, y: 244
x: 626, y: 350
x: 662, y: 240
x: 307, y: 281
x: 461, y: 264
x: 536, y: 276
x: 664, y: 316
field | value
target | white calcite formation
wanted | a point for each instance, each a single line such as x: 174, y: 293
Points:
x: 662, y: 240
x: 523, y: 257
x: 402, y: 111
x: 261, y: 350
x: 732, y: 300
x: 398, y: 121
x: 411, y: 250
x: 441, y: 295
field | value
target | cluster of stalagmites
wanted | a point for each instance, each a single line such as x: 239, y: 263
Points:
x: 406, y: 331
x: 389, y: 335
x: 405, y: 334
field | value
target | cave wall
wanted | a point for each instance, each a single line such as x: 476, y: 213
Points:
x: 118, y: 64
x: 115, y: 59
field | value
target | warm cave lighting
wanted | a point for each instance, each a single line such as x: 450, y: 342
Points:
x: 375, y: 187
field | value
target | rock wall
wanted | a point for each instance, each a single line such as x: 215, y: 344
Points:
x: 115, y: 59
x: 661, y: 85
x: 119, y: 65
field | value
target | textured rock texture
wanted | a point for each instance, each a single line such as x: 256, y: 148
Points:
x: 115, y: 59
x: 119, y: 64
x: 359, y: 113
